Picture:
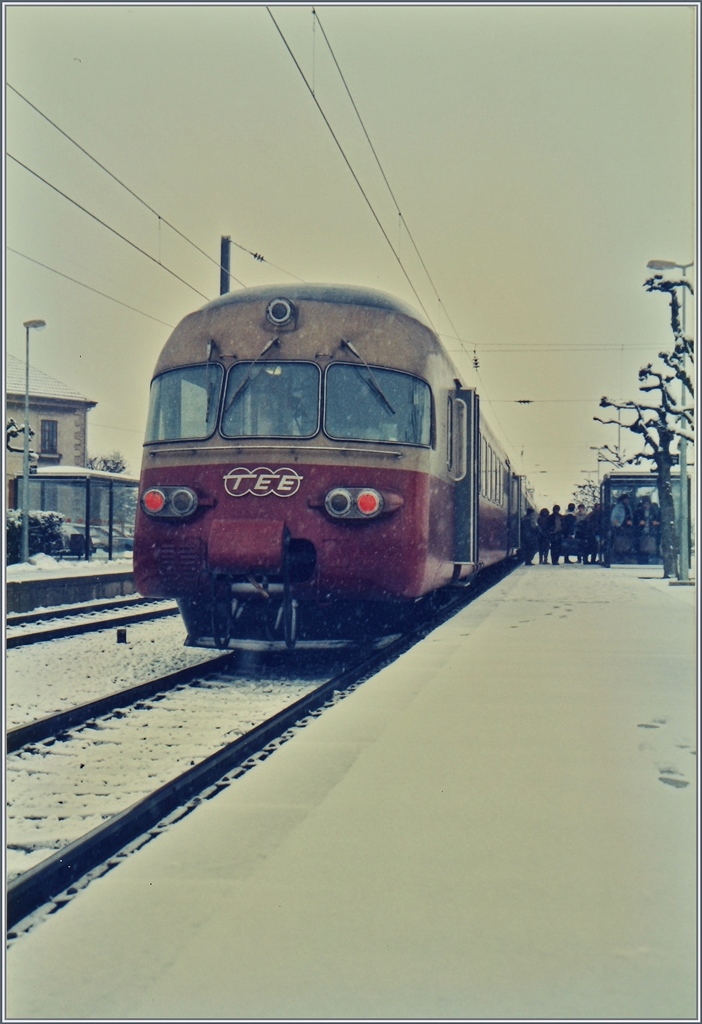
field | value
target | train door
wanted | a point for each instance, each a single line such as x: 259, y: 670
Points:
x: 463, y: 460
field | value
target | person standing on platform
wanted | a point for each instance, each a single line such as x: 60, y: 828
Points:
x: 622, y: 523
x: 555, y: 534
x: 568, y: 523
x: 590, y: 534
x: 647, y: 521
x: 529, y: 537
x: 544, y: 537
x: 580, y: 517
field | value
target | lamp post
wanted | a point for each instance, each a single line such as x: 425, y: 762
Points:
x: 29, y: 325
x: 684, y: 567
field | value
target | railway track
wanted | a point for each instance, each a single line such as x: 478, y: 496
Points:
x: 56, y: 879
x: 82, y: 608
x: 53, y: 624
x: 55, y: 727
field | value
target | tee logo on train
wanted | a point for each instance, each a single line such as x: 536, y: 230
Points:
x: 262, y: 482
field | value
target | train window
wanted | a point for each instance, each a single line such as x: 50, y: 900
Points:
x: 450, y: 455
x: 272, y: 400
x: 373, y: 404
x: 184, y: 402
x: 483, y: 463
x: 457, y: 438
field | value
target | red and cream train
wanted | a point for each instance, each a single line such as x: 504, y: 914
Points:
x: 313, y: 467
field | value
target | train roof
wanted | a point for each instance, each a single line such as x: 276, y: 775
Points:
x: 335, y: 293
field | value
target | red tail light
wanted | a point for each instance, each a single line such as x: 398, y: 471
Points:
x: 154, y: 500
x: 368, y: 503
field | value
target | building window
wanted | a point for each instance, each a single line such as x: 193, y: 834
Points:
x: 49, y: 437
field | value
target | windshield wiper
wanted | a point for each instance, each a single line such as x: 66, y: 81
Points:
x: 211, y: 346
x: 245, y: 381
x: 372, y: 382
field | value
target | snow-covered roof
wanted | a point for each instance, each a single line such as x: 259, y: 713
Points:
x: 638, y: 474
x: 41, y: 385
x: 81, y: 472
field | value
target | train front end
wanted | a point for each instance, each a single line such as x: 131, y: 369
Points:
x: 289, y: 492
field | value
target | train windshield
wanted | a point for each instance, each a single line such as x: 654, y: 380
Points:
x: 272, y: 400
x: 184, y: 403
x: 372, y: 404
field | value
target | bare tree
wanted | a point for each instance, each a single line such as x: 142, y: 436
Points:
x: 12, y: 432
x: 112, y: 462
x: 587, y: 494
x: 661, y: 420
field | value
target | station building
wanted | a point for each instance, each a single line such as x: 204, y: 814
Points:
x: 58, y: 415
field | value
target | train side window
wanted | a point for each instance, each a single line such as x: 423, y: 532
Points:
x: 272, y: 400
x: 457, y: 438
x: 375, y: 404
x: 483, y: 464
x: 450, y: 459
x: 183, y: 403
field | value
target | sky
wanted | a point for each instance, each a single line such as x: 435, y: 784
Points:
x: 527, y: 161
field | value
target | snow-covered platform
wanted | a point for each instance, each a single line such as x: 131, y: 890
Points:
x: 502, y: 824
x: 45, y: 582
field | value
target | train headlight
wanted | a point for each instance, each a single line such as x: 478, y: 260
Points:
x: 154, y: 501
x: 369, y: 502
x: 183, y: 501
x: 280, y: 312
x: 338, y: 502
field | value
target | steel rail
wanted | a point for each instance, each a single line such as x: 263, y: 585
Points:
x: 93, y: 626
x: 57, y: 725
x: 86, y: 608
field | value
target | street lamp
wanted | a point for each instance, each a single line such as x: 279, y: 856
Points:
x: 29, y: 325
x: 684, y: 567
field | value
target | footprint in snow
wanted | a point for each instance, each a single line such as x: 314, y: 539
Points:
x: 678, y: 783
x: 671, y: 777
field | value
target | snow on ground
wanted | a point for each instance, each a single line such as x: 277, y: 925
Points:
x: 58, y: 792
x: 499, y: 825
x: 43, y: 567
x: 52, y: 676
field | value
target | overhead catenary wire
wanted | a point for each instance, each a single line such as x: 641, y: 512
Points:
x: 89, y: 287
x: 109, y: 227
x: 498, y: 349
x: 349, y: 166
x: 162, y: 220
x: 311, y: 90
x: 382, y: 171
